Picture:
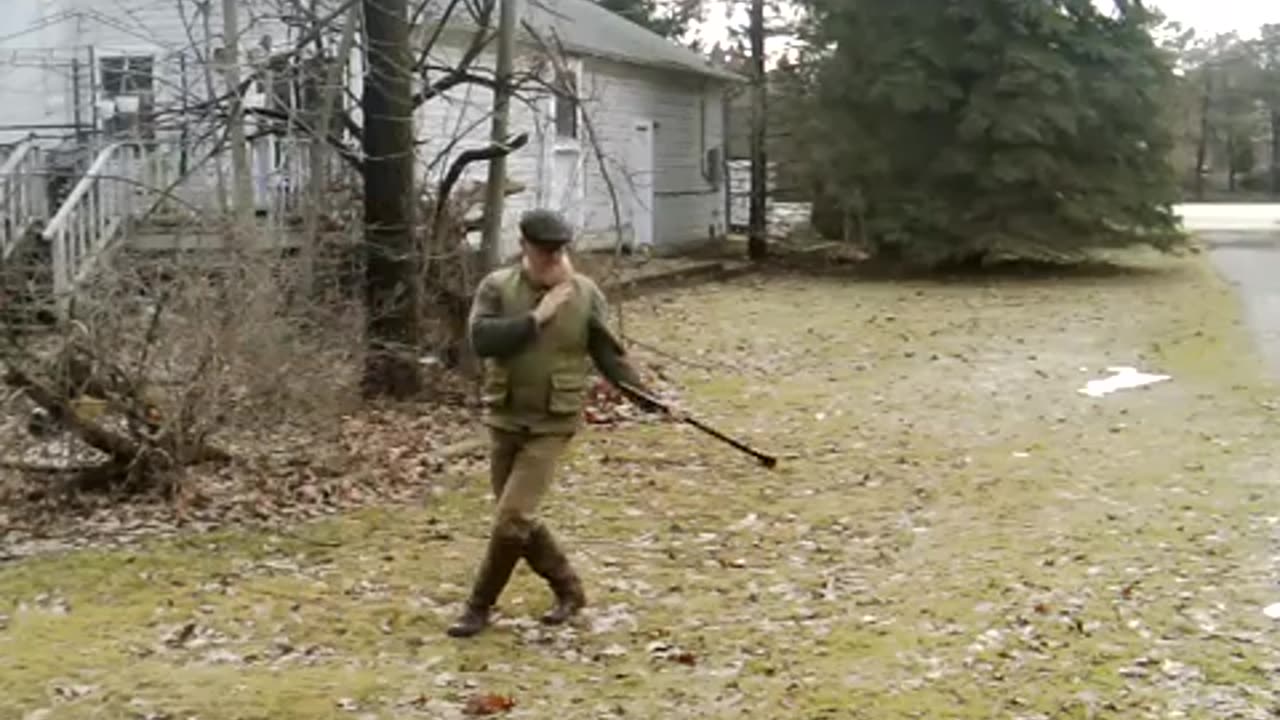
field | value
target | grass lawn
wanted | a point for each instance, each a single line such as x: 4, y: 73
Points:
x: 954, y: 531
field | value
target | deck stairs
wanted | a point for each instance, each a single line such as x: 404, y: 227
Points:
x: 67, y: 211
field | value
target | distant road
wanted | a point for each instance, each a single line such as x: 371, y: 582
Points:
x: 1234, y: 216
x: 1244, y: 243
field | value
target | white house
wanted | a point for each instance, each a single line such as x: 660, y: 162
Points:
x: 636, y: 152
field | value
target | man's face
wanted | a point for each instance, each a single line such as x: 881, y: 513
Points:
x: 544, y: 260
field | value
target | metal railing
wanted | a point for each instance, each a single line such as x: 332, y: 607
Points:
x: 24, y: 195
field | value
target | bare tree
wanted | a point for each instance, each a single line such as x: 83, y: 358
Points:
x: 161, y: 365
x: 391, y: 366
x: 242, y: 199
x: 501, y: 110
x: 757, y: 241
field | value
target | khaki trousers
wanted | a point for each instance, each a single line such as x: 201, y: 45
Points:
x: 522, y: 466
x: 521, y: 469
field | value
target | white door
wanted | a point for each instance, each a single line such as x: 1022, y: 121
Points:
x: 640, y: 171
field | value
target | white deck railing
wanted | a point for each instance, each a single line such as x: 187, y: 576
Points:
x: 23, y: 195
x: 94, y: 215
x: 132, y: 178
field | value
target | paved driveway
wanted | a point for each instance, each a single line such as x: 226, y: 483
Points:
x: 1244, y: 243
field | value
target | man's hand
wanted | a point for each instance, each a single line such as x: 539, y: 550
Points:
x: 552, y: 301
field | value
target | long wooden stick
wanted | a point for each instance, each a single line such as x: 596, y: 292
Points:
x: 765, y: 459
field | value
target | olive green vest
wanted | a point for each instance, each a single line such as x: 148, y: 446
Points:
x: 542, y: 388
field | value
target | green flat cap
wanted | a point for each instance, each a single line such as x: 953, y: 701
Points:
x: 545, y: 227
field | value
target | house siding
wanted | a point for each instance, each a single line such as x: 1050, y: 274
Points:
x: 36, y: 55
x: 687, y: 112
x: 459, y: 120
x: 559, y: 172
x: 174, y: 33
x: 50, y: 49
x: 173, y: 26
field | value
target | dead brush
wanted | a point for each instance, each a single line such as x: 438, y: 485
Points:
x: 166, y: 363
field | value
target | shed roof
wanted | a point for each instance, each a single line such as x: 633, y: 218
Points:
x: 586, y: 28
x: 582, y: 27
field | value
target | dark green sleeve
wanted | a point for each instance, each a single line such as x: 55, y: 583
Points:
x: 492, y: 333
x: 606, y: 352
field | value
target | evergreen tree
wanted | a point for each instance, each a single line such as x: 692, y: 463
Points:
x: 971, y: 130
x: 1269, y: 53
x: 1230, y: 104
x: 668, y: 19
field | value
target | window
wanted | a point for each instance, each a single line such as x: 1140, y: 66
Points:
x: 566, y: 105
x: 126, y: 75
x: 128, y: 81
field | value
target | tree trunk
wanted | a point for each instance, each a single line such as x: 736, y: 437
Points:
x: 757, y: 241
x: 1202, y: 147
x: 391, y: 261
x: 1275, y: 153
x: 241, y: 183
x: 332, y: 77
x: 495, y: 192
x: 1231, y: 162
x: 825, y: 214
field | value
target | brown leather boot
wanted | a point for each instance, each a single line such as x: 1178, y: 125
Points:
x: 547, y: 560
x: 500, y: 560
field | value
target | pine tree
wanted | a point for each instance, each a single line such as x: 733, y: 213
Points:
x: 970, y: 131
x: 670, y: 19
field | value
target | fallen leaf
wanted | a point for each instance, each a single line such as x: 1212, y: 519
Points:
x: 73, y: 692
x: 181, y: 635
x: 614, y: 650
x: 488, y: 704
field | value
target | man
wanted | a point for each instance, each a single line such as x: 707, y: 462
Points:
x: 538, y: 325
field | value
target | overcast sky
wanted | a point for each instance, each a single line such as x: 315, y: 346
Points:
x: 1208, y: 17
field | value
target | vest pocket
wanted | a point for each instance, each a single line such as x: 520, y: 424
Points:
x: 496, y: 385
x: 567, y: 390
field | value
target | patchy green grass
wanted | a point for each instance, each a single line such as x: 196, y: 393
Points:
x: 954, y: 531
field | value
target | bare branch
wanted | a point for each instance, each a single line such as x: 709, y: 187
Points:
x: 479, y: 42
x: 460, y: 164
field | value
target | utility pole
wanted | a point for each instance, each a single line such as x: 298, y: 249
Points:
x: 495, y: 191
x: 242, y: 202
x: 757, y: 242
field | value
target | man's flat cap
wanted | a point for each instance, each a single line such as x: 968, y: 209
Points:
x: 545, y: 227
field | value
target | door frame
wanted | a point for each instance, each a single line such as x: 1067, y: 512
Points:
x: 642, y: 159
x: 554, y: 147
